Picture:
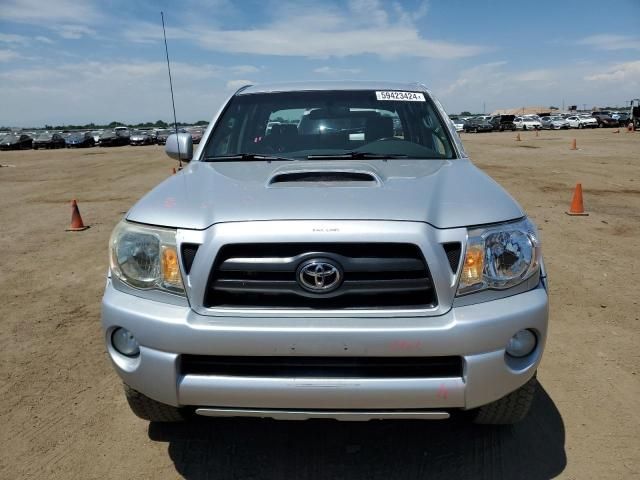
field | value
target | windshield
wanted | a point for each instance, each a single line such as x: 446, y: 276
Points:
x: 299, y: 124
x: 44, y: 136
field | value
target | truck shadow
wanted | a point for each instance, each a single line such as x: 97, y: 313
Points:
x: 268, y: 449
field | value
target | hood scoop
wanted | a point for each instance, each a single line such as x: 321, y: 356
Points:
x: 323, y: 176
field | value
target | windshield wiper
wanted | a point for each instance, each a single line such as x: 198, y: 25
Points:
x: 355, y: 155
x: 246, y: 157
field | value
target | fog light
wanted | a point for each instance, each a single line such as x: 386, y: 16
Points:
x: 522, y: 343
x: 125, y: 343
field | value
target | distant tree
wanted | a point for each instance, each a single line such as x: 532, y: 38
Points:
x: 465, y: 113
x: 202, y: 122
x: 161, y: 124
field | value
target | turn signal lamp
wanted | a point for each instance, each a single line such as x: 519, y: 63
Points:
x: 473, y: 265
x: 170, y: 266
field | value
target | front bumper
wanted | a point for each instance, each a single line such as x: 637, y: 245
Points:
x: 478, y: 333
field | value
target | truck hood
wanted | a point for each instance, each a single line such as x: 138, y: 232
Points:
x: 444, y: 193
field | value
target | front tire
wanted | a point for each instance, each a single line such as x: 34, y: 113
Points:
x: 510, y: 409
x: 151, y: 410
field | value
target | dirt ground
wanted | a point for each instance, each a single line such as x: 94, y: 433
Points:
x: 63, y: 415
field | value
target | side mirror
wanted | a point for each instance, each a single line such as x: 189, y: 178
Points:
x: 179, y: 147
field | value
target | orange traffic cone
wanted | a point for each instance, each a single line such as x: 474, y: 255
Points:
x: 174, y: 170
x: 574, y: 145
x: 577, y: 207
x: 518, y: 139
x: 76, y: 219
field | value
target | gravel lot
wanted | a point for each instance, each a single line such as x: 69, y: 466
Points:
x: 63, y: 414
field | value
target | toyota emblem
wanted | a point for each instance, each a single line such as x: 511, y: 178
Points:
x: 319, y: 275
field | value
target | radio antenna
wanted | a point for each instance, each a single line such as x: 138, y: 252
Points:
x: 173, y: 103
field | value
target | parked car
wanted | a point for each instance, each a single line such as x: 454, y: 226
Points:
x: 582, y: 121
x: 326, y: 276
x: 16, y: 141
x: 80, y: 140
x: 96, y: 135
x: 477, y: 124
x: 458, y: 123
x: 527, y: 123
x: 48, y: 140
x: 140, y: 138
x: 555, y: 122
x: 196, y: 134
x: 605, y: 120
x: 503, y: 122
x: 114, y: 138
x: 161, y: 136
x: 621, y: 117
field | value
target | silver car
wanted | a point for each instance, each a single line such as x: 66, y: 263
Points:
x: 555, y: 122
x: 349, y: 262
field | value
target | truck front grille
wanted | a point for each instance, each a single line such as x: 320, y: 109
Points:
x: 323, y: 367
x: 372, y: 275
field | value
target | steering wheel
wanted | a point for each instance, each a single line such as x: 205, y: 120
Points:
x: 384, y: 139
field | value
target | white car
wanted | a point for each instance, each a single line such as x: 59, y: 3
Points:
x: 527, y: 123
x: 458, y: 123
x: 579, y: 121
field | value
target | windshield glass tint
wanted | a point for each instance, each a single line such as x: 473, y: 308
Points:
x: 298, y: 124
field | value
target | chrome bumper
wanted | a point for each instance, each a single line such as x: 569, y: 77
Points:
x: 351, y: 416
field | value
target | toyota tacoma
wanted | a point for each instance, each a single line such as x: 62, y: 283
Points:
x: 329, y: 251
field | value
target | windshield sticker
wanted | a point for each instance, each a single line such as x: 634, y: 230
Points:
x: 401, y: 96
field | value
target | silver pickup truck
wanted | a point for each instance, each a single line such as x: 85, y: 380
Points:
x: 329, y: 251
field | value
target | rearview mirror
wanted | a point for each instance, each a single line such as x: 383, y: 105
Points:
x: 179, y: 146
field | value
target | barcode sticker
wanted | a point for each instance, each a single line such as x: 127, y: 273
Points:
x: 401, y: 96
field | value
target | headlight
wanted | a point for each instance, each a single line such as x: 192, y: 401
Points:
x: 146, y: 257
x: 500, y: 257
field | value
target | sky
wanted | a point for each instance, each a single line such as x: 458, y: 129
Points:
x: 75, y: 62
